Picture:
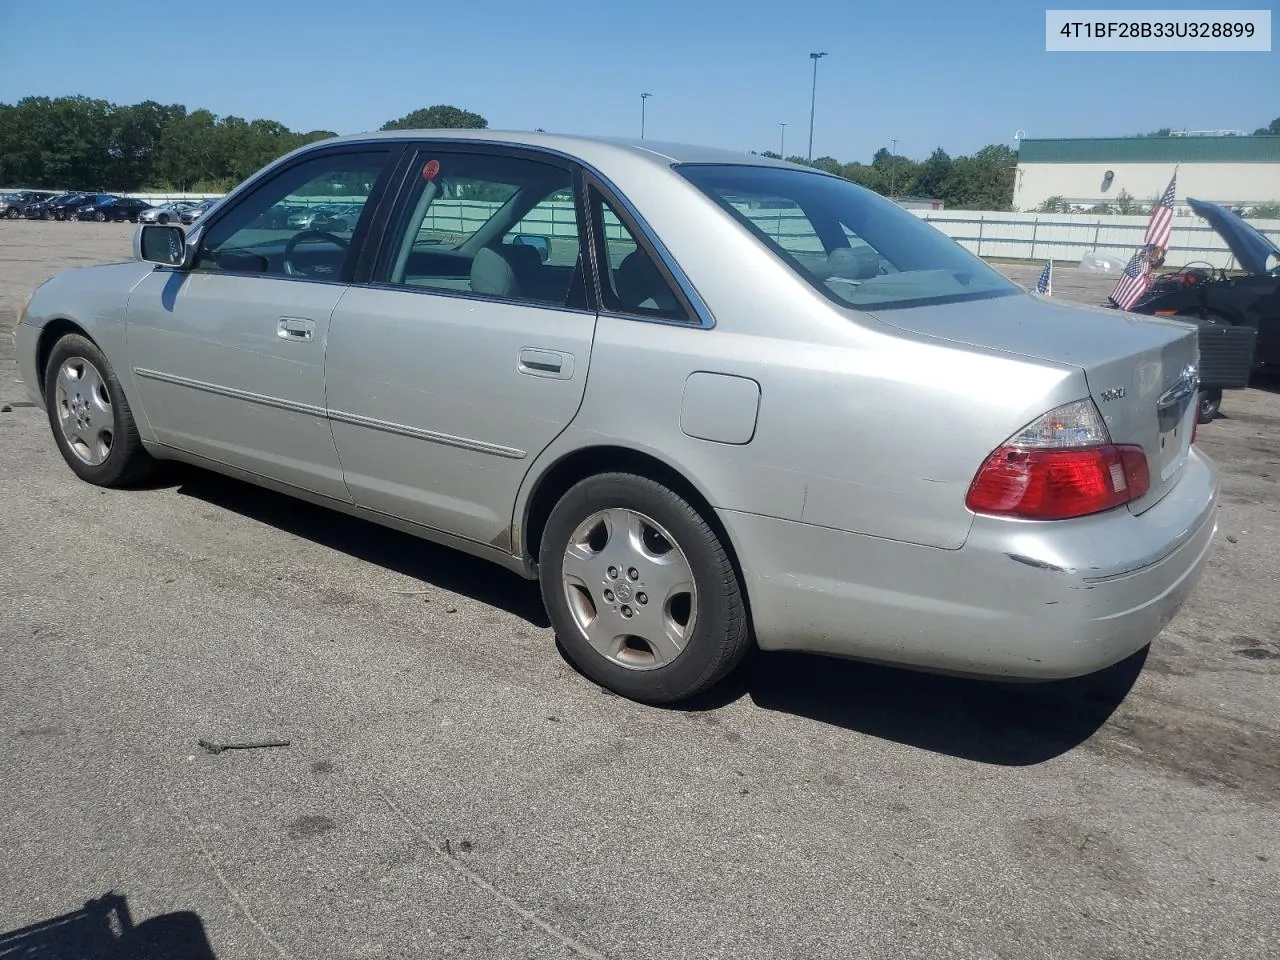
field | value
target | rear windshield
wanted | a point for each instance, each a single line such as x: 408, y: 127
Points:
x: 858, y: 248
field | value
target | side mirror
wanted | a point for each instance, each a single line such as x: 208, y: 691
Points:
x: 165, y: 245
x: 539, y: 243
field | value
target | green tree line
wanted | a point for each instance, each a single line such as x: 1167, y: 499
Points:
x: 981, y: 181
x: 83, y: 143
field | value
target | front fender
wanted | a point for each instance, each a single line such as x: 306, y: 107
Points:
x: 95, y: 300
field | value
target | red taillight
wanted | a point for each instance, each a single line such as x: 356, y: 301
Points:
x: 1056, y: 484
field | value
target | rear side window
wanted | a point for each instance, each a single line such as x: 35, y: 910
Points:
x: 491, y: 225
x: 858, y: 248
x: 630, y: 281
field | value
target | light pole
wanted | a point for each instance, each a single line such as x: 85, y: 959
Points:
x: 643, y: 98
x: 893, y: 171
x: 813, y: 98
x: 782, y: 146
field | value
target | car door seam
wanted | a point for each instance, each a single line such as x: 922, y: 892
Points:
x: 324, y: 382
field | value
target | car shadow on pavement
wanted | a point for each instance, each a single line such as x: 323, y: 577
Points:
x: 1006, y: 724
x: 104, y: 930
x: 419, y: 559
x: 1009, y: 724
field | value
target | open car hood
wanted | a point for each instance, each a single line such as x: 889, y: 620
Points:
x: 1250, y: 246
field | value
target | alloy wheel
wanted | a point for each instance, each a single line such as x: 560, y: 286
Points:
x: 630, y: 589
x: 84, y: 410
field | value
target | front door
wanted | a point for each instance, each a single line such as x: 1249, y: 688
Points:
x: 229, y: 356
x: 467, y: 353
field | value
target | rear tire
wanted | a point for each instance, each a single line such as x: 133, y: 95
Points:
x: 162, y: 219
x: 90, y: 417
x: 1210, y: 403
x: 640, y: 590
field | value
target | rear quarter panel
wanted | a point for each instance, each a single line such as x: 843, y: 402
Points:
x: 873, y: 433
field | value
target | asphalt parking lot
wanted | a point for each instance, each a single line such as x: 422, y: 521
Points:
x: 451, y: 787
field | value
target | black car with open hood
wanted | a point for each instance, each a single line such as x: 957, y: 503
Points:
x: 1238, y: 316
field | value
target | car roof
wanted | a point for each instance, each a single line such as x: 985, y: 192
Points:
x: 588, y: 149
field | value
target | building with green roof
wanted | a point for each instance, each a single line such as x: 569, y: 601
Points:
x: 1237, y: 171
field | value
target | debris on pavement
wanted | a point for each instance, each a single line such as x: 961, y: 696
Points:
x: 219, y: 747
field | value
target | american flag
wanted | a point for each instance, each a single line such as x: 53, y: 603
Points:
x: 1137, y: 275
x: 1045, y: 283
x: 1133, y: 282
x: 1161, y: 223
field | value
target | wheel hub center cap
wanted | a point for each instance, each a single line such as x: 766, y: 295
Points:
x: 623, y: 590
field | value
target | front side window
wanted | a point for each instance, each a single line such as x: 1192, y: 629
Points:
x: 858, y: 248
x: 495, y: 225
x: 298, y: 223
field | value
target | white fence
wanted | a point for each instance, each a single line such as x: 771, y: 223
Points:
x: 1068, y: 236
x: 992, y: 234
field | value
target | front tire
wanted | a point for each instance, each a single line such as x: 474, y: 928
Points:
x: 640, y: 590
x: 90, y: 417
x: 12, y: 213
x: 162, y: 219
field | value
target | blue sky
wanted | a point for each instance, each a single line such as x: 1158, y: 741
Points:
x: 933, y: 73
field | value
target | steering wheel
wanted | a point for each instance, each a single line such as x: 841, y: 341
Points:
x: 298, y: 238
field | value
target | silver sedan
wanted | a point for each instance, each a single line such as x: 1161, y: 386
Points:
x: 710, y: 401
x: 165, y: 213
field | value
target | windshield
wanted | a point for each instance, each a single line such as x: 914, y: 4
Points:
x: 858, y: 248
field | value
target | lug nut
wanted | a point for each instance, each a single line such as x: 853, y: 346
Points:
x: 642, y: 598
x: 613, y: 573
x: 608, y: 596
x: 626, y: 611
x: 633, y: 573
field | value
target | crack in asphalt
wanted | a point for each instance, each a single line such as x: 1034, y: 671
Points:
x: 577, y: 946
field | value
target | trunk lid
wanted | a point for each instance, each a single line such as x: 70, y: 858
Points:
x: 1141, y: 371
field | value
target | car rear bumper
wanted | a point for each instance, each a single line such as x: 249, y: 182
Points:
x: 1024, y: 600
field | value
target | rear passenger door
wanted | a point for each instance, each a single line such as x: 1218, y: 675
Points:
x: 464, y: 351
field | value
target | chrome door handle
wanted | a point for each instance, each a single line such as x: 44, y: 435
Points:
x: 545, y: 363
x: 295, y: 328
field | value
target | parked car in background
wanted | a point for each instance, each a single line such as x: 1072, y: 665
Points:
x: 165, y: 213
x: 320, y: 217
x: 1238, y: 317
x: 114, y: 209
x: 50, y: 209
x: 196, y: 211
x: 66, y: 209
x: 14, y: 205
x: 38, y: 209
x: 693, y: 439
x: 276, y: 217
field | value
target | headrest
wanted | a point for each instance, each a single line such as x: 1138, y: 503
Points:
x: 639, y: 283
x: 492, y: 274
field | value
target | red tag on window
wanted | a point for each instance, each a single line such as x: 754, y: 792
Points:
x: 430, y: 169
